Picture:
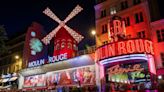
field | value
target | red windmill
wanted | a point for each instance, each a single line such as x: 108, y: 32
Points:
x: 65, y: 38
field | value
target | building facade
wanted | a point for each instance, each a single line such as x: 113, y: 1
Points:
x: 52, y: 61
x: 142, y: 21
x: 11, y: 62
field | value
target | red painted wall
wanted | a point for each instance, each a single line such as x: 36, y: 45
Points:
x: 62, y: 37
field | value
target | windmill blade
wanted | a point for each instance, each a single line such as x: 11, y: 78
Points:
x: 46, y: 40
x: 74, y: 34
x: 74, y: 12
x: 49, y: 13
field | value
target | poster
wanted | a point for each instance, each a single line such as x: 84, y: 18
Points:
x: 35, y: 81
x: 85, y: 75
x: 129, y: 72
x: 75, y: 76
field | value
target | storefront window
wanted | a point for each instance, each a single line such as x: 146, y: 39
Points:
x: 128, y: 75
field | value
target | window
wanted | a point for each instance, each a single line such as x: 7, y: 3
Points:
x: 139, y: 17
x: 113, y: 10
x: 69, y: 46
x: 141, y: 34
x: 124, y: 5
x: 162, y: 58
x: 103, y: 13
x: 104, y: 28
x: 57, y: 46
x: 135, y: 2
x: 127, y: 21
x: 105, y: 42
x: 160, y: 35
x: 62, y: 44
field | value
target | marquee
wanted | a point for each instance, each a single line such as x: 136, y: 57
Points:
x: 132, y: 46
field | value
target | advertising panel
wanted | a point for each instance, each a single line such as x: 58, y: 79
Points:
x: 74, y: 76
x: 35, y: 81
x: 84, y: 75
x: 129, y: 73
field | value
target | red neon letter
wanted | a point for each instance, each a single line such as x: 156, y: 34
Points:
x: 117, y: 27
x: 121, y: 48
x: 147, y: 46
x: 130, y: 46
x: 111, y: 50
x: 139, y: 45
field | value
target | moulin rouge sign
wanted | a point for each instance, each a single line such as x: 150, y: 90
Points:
x: 123, y: 48
x: 52, y: 59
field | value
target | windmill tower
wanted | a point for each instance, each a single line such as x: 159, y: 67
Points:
x: 65, y: 38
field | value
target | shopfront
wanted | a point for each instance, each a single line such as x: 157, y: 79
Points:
x: 126, y: 65
x: 72, y: 73
x: 9, y: 81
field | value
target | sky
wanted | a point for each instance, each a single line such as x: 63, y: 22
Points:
x: 17, y: 16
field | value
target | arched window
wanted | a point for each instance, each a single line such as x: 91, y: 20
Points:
x: 62, y: 44
x: 69, y: 45
x: 57, y: 46
x: 74, y: 47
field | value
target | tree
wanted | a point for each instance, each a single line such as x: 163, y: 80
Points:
x: 3, y: 38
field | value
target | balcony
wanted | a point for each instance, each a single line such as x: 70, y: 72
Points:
x: 90, y: 50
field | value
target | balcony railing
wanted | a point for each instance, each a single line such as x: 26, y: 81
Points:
x: 90, y: 50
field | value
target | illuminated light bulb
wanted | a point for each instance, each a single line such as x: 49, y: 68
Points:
x: 160, y: 77
x: 113, y: 79
x: 16, y: 57
x: 75, y: 35
x: 117, y: 80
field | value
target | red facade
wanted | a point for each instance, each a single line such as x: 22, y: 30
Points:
x: 64, y: 43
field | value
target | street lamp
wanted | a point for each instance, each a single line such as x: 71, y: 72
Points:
x: 16, y: 57
x: 93, y: 32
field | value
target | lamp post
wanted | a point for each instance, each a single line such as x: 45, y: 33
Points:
x: 93, y: 33
x: 18, y: 62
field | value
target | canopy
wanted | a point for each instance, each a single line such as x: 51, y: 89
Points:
x: 1, y: 80
x: 13, y: 78
x: 70, y: 63
x: 5, y: 80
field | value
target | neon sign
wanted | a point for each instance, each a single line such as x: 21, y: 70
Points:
x: 57, y: 58
x: 36, y: 63
x: 137, y: 75
x: 117, y: 29
x: 132, y: 46
x: 118, y: 70
x: 50, y: 60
